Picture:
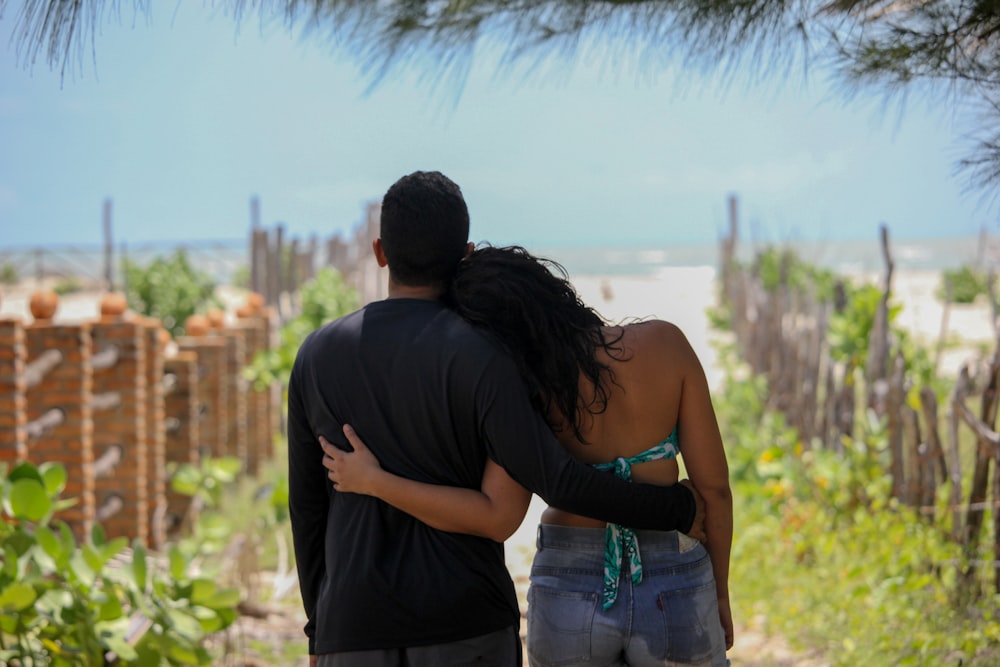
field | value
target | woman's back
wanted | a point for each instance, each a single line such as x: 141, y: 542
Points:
x: 642, y: 408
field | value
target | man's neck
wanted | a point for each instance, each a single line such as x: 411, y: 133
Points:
x: 427, y: 292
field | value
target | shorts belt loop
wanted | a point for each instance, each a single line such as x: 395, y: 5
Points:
x: 538, y: 538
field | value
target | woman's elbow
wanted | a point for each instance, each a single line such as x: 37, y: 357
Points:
x: 717, y: 494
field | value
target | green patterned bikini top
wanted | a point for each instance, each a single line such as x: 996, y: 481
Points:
x: 621, y: 542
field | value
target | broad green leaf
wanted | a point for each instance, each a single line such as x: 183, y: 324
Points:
x: 48, y: 541
x: 92, y: 558
x: 64, y: 504
x: 54, y: 477
x: 111, y: 609
x: 112, y: 637
x: 139, y: 568
x: 28, y: 500
x: 68, y: 541
x: 17, y: 596
x: 44, y: 562
x: 224, y: 468
x: 186, y: 480
x: 97, y: 535
x: 149, y: 655
x: 184, y: 624
x: 210, y: 621
x: 113, y: 548
x: 202, y: 589
x: 227, y: 598
x: 178, y: 564
x: 185, y: 655
x: 26, y: 471
x: 53, y: 601
x: 81, y: 570
x: 8, y: 623
x: 228, y: 616
x: 10, y: 559
x: 121, y: 648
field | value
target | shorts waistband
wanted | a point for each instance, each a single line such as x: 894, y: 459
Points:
x: 593, y: 539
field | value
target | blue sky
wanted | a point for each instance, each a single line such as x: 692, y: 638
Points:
x: 182, y: 118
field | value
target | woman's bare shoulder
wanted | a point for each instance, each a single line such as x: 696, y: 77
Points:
x: 655, y: 332
x: 658, y: 339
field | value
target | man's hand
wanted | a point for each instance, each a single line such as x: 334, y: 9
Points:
x: 698, y: 525
x: 312, y: 661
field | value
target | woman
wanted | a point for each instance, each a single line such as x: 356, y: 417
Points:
x: 599, y: 593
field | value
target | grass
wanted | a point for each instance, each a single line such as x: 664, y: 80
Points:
x: 824, y: 558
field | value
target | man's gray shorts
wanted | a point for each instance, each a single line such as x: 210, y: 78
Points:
x: 496, y: 649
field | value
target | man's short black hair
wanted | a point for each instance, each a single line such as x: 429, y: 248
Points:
x: 424, y: 228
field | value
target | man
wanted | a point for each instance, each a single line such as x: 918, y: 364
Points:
x: 433, y: 398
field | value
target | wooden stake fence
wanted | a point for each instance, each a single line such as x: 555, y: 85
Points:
x: 781, y: 332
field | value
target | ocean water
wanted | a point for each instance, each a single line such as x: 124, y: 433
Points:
x: 844, y: 257
x: 222, y: 259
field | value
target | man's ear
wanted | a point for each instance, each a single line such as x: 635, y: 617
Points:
x: 469, y: 247
x: 379, y: 253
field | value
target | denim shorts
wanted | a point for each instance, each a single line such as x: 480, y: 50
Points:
x: 671, y: 618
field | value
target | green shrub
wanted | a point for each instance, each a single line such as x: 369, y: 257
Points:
x: 966, y: 282
x: 8, y: 274
x: 241, y: 277
x: 67, y: 285
x: 324, y: 298
x: 169, y: 289
x: 820, y: 549
x: 94, y: 603
x: 774, y: 263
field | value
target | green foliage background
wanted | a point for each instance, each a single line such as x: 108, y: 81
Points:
x: 966, y: 284
x: 323, y: 299
x: 68, y: 602
x: 169, y: 289
x: 823, y: 555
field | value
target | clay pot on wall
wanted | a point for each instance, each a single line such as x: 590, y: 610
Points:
x: 216, y: 318
x: 43, y: 305
x: 197, y: 325
x: 113, y: 306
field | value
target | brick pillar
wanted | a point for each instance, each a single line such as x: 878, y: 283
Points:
x: 13, y: 405
x: 119, y: 413
x: 65, y: 392
x: 211, y: 352
x: 182, y: 408
x: 156, y: 471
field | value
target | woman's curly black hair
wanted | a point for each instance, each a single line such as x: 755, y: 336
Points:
x: 528, y: 304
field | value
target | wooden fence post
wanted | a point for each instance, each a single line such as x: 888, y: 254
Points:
x: 932, y: 464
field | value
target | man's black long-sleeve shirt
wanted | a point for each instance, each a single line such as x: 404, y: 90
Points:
x: 432, y: 398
